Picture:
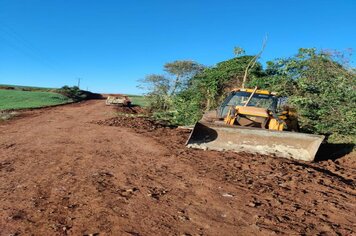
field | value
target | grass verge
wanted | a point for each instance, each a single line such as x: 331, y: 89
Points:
x: 138, y: 100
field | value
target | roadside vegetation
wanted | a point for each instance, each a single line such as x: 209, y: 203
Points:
x: 6, y: 115
x: 320, y: 84
x: 73, y: 93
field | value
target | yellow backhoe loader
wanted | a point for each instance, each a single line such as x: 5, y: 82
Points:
x: 254, y: 121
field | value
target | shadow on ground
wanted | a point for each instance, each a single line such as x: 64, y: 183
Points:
x: 333, y: 151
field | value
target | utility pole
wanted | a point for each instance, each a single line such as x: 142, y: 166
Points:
x: 79, y: 82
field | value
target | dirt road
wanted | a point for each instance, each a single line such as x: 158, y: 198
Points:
x: 72, y: 170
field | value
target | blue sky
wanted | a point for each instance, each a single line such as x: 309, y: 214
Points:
x: 111, y: 44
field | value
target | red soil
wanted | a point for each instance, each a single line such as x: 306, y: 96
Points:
x: 76, y: 170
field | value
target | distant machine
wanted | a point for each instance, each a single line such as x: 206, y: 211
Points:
x: 118, y: 100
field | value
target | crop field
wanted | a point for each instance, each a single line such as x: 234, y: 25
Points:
x: 17, y: 99
x: 139, y: 100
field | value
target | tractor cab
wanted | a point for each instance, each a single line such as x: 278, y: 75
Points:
x: 260, y: 103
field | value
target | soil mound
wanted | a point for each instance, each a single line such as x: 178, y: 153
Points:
x: 130, y: 110
x: 138, y: 123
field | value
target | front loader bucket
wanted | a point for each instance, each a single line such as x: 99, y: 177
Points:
x: 299, y: 146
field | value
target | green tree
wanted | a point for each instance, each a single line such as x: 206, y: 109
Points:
x: 158, y: 87
x: 238, y: 51
x: 163, y: 88
x: 216, y: 81
x: 181, y: 72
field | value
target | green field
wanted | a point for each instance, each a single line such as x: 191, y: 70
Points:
x: 139, y: 100
x: 14, y: 97
x: 17, y: 99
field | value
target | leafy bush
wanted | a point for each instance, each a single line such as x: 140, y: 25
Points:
x: 188, y: 105
x: 163, y: 88
x: 215, y: 82
x: 73, y: 93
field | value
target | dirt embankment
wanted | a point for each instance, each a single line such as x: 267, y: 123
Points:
x: 78, y: 170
